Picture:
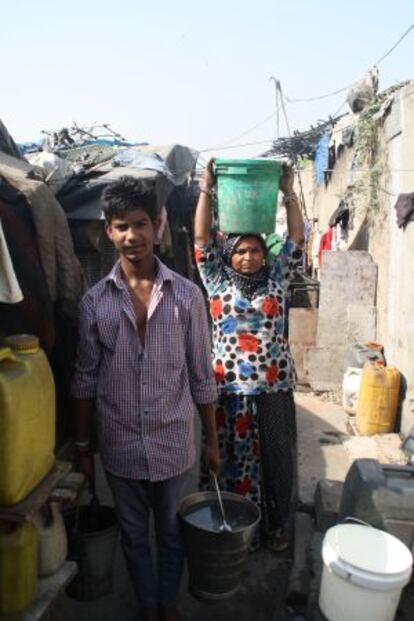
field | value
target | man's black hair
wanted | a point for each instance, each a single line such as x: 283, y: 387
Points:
x: 127, y: 194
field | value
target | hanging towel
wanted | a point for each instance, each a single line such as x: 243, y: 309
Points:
x: 325, y: 244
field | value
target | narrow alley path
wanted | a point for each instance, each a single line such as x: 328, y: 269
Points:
x: 321, y: 427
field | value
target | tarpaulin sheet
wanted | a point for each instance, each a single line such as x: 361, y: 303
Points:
x: 321, y: 158
x: 80, y: 198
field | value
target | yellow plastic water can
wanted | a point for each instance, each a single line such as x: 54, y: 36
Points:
x: 27, y: 417
x: 18, y: 566
x: 378, y: 399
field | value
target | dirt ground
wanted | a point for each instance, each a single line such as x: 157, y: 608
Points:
x: 323, y: 453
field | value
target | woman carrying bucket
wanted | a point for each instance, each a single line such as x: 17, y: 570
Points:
x: 254, y: 370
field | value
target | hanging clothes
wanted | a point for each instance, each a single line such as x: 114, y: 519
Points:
x: 10, y: 292
x: 331, y: 160
x: 61, y: 267
x: 308, y: 241
x: 404, y: 208
x: 325, y: 244
x: 340, y: 215
x: 321, y: 158
x: 315, y: 252
x: 34, y: 314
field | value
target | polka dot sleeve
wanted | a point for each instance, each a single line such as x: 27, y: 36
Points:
x: 287, y: 262
x: 210, y: 266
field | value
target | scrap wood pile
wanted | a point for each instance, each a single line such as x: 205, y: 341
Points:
x: 300, y: 144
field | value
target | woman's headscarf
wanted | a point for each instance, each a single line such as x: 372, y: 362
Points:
x: 248, y: 285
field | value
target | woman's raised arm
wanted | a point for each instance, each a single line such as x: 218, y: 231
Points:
x: 294, y: 217
x: 202, y: 221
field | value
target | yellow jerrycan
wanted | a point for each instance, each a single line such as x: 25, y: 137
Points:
x: 378, y: 399
x: 27, y: 417
x: 18, y: 566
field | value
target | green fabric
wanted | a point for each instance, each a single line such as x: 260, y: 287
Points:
x: 274, y: 244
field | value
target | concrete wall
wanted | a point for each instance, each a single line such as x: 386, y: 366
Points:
x: 398, y: 331
x: 346, y: 316
x: 376, y: 231
x: 302, y: 334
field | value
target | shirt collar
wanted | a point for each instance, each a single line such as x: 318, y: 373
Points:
x: 163, y: 274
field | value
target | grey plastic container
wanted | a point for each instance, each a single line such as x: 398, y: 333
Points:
x: 382, y: 496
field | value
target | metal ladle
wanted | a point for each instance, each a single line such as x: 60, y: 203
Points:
x: 225, y: 526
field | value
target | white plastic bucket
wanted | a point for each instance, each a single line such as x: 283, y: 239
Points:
x: 350, y: 389
x: 364, y: 571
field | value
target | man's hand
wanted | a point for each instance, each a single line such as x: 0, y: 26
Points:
x: 85, y: 463
x: 287, y: 179
x: 212, y: 457
x: 207, y: 412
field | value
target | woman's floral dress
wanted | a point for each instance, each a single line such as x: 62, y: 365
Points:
x: 252, y: 363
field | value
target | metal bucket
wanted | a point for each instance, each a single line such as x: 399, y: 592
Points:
x: 92, y: 539
x: 216, y: 560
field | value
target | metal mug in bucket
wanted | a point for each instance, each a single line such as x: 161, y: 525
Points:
x: 217, y: 557
x: 92, y: 538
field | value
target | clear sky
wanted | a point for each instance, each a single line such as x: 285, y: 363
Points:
x: 195, y: 73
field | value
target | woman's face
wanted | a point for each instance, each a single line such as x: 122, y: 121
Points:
x: 248, y: 256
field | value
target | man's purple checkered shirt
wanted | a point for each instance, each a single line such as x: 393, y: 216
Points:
x: 145, y: 396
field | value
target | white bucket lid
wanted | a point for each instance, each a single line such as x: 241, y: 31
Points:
x: 367, y: 556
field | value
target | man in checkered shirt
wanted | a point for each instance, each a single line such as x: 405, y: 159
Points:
x: 144, y: 360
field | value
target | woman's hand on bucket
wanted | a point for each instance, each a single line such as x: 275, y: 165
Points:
x: 208, y: 180
x: 287, y: 179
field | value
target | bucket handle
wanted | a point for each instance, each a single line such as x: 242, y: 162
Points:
x: 350, y: 518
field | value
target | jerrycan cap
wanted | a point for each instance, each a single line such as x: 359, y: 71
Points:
x: 23, y: 343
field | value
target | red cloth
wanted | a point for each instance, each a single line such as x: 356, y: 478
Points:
x: 325, y: 244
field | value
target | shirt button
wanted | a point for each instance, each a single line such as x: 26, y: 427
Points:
x: 145, y: 411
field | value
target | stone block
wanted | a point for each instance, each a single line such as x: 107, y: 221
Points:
x: 323, y: 367
x: 346, y: 278
x: 302, y: 333
x: 361, y: 323
x: 328, y: 494
x: 302, y: 325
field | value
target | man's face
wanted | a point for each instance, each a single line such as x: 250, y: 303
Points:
x: 133, y: 234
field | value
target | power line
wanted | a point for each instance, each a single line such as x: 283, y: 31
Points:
x: 288, y: 100
x: 345, y: 88
x: 394, y: 46
x: 247, y: 131
x: 236, y: 146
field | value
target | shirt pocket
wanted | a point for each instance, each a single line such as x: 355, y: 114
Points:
x: 167, y: 343
x: 108, y: 330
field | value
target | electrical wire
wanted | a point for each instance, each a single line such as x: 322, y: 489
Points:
x: 247, y: 131
x: 306, y: 99
x: 236, y: 146
x: 345, y: 88
x: 394, y: 46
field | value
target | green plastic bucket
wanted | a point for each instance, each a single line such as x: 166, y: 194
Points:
x: 247, y: 195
